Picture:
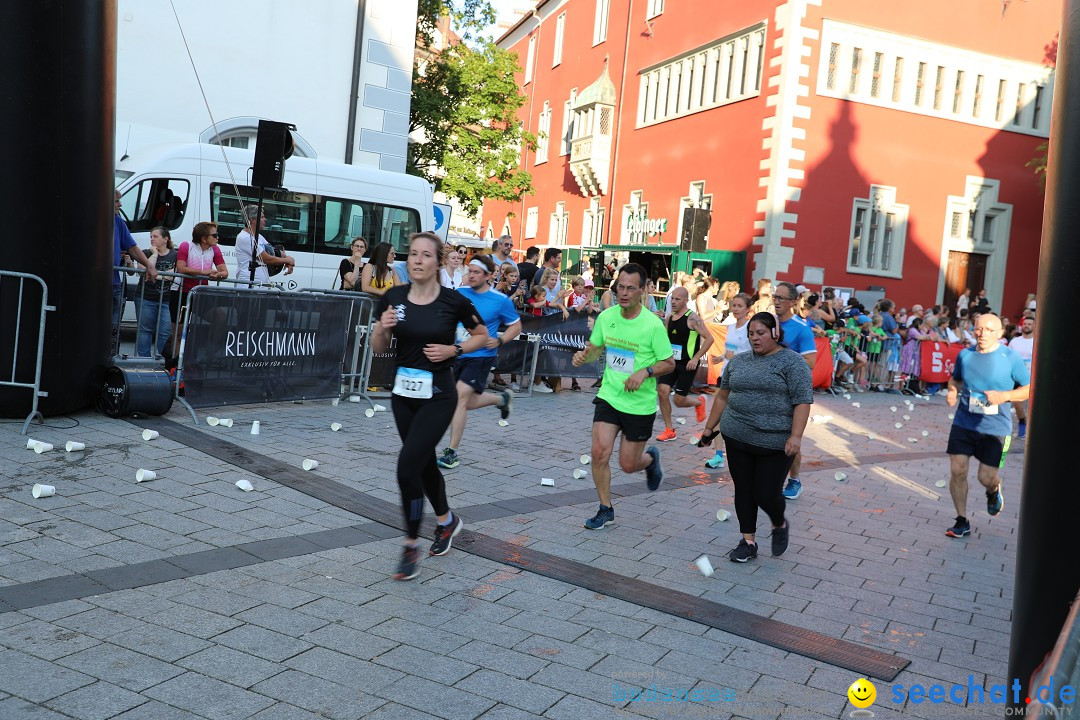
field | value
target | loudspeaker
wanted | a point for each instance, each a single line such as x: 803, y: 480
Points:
x: 695, y: 226
x: 272, y: 148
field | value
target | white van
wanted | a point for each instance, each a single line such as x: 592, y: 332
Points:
x: 325, y: 206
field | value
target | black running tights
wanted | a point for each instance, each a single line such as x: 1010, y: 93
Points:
x: 758, y: 474
x: 421, y: 424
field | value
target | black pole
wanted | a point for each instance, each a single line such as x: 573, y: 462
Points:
x: 1047, y: 570
x: 354, y: 87
x: 255, y: 238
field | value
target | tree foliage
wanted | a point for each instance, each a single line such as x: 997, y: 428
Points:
x: 1038, y: 163
x: 464, y: 105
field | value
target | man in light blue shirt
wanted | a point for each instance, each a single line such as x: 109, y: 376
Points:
x: 798, y: 337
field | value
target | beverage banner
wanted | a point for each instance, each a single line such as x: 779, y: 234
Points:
x: 249, y: 346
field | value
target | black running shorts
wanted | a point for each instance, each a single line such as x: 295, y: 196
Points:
x: 987, y: 449
x: 636, y: 428
x: 681, y: 379
x: 473, y: 372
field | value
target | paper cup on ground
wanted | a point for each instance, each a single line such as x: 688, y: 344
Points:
x: 41, y: 491
x: 380, y: 408
x: 149, y: 435
x: 579, y: 473
x: 681, y: 421
x: 941, y: 483
x: 892, y: 408
x: 912, y: 440
x: 951, y: 416
x: 73, y: 446
x: 855, y: 404
x: 40, y: 447
x: 335, y: 402
x: 585, y: 459
x: 310, y: 464
x: 547, y: 482
x: 30, y: 443
x: 212, y: 421
x: 244, y: 485
x: 704, y: 565
x: 255, y: 427
x: 871, y: 436
x: 926, y: 433
x: 226, y: 422
x: 898, y: 425
x: 335, y: 426
x: 503, y: 423
x: 354, y: 398
x: 840, y: 477
x: 142, y: 475
x: 370, y: 412
x: 907, y: 417
x: 722, y: 515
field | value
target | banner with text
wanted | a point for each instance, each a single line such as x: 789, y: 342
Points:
x: 938, y: 361
x: 248, y: 346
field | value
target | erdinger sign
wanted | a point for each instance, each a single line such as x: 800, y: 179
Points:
x: 639, y: 223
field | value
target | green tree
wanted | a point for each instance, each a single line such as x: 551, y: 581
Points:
x: 1038, y: 163
x: 464, y: 105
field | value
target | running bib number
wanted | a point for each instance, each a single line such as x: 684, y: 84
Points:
x: 676, y: 352
x: 979, y: 405
x: 412, y: 383
x: 620, y: 360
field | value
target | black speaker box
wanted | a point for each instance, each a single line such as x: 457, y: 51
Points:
x: 695, y: 228
x: 272, y: 148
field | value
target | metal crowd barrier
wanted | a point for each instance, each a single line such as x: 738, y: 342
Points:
x: 35, y: 386
x: 875, y: 362
x: 361, y: 325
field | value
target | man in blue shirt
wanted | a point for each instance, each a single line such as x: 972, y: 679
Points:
x: 471, y: 370
x: 984, y: 383
x: 798, y: 337
x: 123, y: 242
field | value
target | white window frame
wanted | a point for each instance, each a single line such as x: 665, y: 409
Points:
x: 600, y: 22
x: 635, y: 206
x: 530, y: 60
x: 532, y: 219
x: 543, y: 134
x: 568, y: 121
x: 654, y: 8
x: 725, y: 71
x: 557, y: 230
x: 869, y: 217
x: 592, y: 226
x: 560, y: 31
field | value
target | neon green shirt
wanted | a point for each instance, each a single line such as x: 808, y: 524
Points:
x: 630, y: 345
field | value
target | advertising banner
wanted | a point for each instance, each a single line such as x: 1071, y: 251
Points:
x: 249, y: 346
x: 822, y: 374
x: 938, y: 360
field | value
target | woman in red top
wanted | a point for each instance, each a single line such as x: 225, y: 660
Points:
x: 199, y: 261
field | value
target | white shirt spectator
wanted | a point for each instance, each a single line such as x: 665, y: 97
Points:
x: 243, y: 257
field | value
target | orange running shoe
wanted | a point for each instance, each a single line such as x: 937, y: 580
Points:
x: 668, y: 434
x: 701, y: 411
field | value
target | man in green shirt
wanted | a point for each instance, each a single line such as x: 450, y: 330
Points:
x: 637, y: 352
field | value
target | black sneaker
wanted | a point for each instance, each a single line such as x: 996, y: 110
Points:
x: 779, y: 540
x: 654, y: 474
x: 743, y: 551
x: 960, y: 529
x: 507, y: 401
x: 605, y: 516
x: 410, y: 564
x: 994, y: 501
x: 444, y: 536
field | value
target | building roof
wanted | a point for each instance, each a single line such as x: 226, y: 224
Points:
x: 601, y: 91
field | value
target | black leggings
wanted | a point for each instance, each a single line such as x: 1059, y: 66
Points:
x: 421, y: 423
x: 758, y: 474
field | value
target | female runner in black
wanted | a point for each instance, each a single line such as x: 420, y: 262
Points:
x: 423, y: 317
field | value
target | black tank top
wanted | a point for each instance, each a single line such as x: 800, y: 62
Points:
x: 680, y: 335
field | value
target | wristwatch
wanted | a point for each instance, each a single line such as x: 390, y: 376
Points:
x: 649, y: 370
x: 499, y: 340
x: 458, y: 349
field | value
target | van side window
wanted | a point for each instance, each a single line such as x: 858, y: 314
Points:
x: 289, y: 215
x: 397, y: 225
x: 341, y: 220
x: 155, y: 201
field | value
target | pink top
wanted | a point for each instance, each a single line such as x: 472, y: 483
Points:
x: 198, y: 259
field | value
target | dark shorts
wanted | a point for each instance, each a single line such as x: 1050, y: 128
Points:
x: 987, y: 449
x: 681, y: 379
x: 636, y: 428
x: 473, y: 372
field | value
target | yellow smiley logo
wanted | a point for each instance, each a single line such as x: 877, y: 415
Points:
x: 862, y: 693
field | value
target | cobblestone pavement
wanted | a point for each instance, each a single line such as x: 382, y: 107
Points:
x: 184, y: 597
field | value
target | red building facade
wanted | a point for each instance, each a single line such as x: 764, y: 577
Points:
x: 878, y: 147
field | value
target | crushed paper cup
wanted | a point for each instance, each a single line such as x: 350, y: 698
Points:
x: 41, y: 447
x: 907, y: 417
x: 847, y: 396
x: 41, y: 491
x: 143, y: 475
x: 855, y: 404
x: 941, y: 483
x: 579, y: 473
x: 244, y: 485
x: 255, y: 427
x: 335, y: 426
x: 226, y: 422
x: 926, y: 433
x: 898, y: 425
x: 354, y: 398
x: 370, y: 412
x: 310, y: 464
x: 704, y: 565
x: 871, y: 436
x: 380, y: 408
x: 722, y: 515
x: 839, y: 476
x: 30, y: 443
x: 585, y: 459
x: 212, y: 421
x: 335, y: 402
x: 951, y: 416
x: 912, y: 440
x: 149, y: 435
x: 503, y: 423
x: 547, y: 482
x: 681, y: 421
x: 73, y: 446
x: 892, y: 408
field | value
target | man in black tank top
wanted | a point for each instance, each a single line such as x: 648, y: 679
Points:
x: 690, y: 340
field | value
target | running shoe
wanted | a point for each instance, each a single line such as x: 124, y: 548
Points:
x: 410, y: 564
x: 716, y: 461
x: 779, y: 540
x: 516, y: 387
x: 667, y: 435
x: 743, y: 551
x: 994, y: 501
x: 444, y: 536
x: 507, y: 401
x: 793, y: 489
x: 960, y: 529
x: 700, y: 409
x: 654, y: 474
x: 605, y: 516
x: 1023, y: 429
x: 449, y: 459
x: 541, y: 388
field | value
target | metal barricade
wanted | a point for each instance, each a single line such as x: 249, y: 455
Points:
x: 867, y: 362
x: 361, y: 325
x: 35, y: 386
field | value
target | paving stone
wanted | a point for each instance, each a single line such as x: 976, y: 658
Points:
x: 208, y: 697
x: 557, y: 651
x: 497, y: 658
x: 510, y: 691
x: 282, y: 620
x: 46, y: 640
x: 285, y: 711
x: 417, y: 635
x: 194, y: 621
x: 572, y: 707
x: 322, y: 697
x: 130, y: 670
x: 436, y: 699
x: 154, y: 710
x: 231, y: 666
x: 439, y: 668
x: 159, y: 642
x: 352, y: 642
x: 101, y: 623
x: 262, y: 643
x: 19, y: 709
x: 97, y: 702
x: 333, y: 666
x: 21, y: 674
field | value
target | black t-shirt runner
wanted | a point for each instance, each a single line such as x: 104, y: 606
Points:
x: 420, y: 325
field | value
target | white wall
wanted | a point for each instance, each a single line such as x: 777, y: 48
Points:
x: 276, y: 59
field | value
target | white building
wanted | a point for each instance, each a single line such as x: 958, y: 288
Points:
x: 273, y: 59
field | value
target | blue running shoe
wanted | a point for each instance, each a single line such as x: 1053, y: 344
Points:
x: 654, y: 474
x: 793, y: 489
x: 716, y: 461
x: 604, y: 517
